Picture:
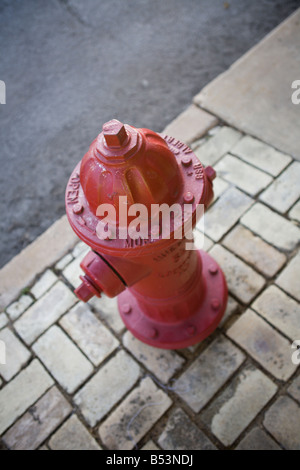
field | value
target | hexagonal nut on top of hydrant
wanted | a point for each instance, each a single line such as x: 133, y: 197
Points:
x: 135, y: 199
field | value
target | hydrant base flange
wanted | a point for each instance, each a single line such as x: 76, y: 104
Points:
x: 187, y: 332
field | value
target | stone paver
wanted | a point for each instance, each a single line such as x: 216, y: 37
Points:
x: 196, y: 143
x: 242, y: 280
x: 225, y: 213
x: 257, y: 439
x: 272, y: 227
x: 201, y: 241
x: 285, y: 190
x: 181, y: 433
x: 63, y: 359
x: 231, y: 309
x: 289, y: 278
x: 244, y: 176
x: 219, y: 187
x: 295, y: 212
x: 261, y: 155
x: 136, y: 415
x: 191, y: 124
x: 34, y: 259
x: 150, y: 446
x: 282, y: 420
x: 39, y: 422
x: 107, y: 387
x: 22, y: 392
x: 43, y: 284
x: 217, y: 146
x: 294, y: 389
x: 73, y: 436
x: 264, y: 257
x: 161, y: 362
x: 264, y: 344
x: 81, y: 249
x: 73, y: 271
x: 244, y: 398
x: 280, y: 310
x: 214, y: 130
x: 34, y: 322
x: 210, y: 371
x: 17, y: 308
x: 107, y: 310
x: 93, y: 338
x: 3, y: 320
x: 63, y: 262
x: 16, y: 355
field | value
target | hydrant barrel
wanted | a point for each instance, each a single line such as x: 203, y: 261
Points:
x: 130, y: 199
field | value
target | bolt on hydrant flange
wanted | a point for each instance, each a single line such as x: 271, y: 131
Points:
x: 169, y: 296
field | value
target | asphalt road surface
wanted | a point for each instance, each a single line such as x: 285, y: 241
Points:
x: 71, y: 65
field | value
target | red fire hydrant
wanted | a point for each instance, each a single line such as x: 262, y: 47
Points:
x: 168, y: 296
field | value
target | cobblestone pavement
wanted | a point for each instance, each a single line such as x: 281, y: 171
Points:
x: 76, y: 379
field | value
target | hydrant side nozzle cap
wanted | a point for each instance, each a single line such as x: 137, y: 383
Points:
x: 115, y: 134
x: 210, y: 173
x: 86, y: 290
